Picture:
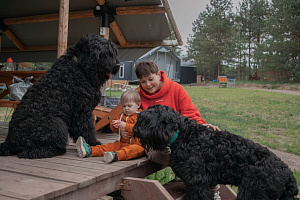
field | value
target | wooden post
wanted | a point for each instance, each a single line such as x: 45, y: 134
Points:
x: 104, y: 32
x: 63, y: 27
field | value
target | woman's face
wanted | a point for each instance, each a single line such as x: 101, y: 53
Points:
x: 151, y: 83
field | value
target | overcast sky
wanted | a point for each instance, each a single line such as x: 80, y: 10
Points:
x: 186, y: 12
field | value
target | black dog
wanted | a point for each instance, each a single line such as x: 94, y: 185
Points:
x: 203, y: 158
x: 60, y: 104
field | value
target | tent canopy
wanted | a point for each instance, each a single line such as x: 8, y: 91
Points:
x: 30, y: 28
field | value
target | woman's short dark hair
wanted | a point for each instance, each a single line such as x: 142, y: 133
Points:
x: 145, y: 68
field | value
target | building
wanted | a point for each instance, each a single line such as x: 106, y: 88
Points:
x: 166, y: 60
x: 188, y: 72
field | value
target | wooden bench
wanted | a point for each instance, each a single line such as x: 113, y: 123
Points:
x: 8, y: 103
x: 225, y: 81
x: 135, y: 188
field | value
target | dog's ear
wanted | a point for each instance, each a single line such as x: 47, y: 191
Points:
x: 155, y: 126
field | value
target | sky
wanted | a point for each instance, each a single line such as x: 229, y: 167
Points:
x: 186, y: 12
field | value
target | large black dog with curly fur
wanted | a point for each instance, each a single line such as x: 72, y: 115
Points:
x: 60, y: 104
x: 203, y: 158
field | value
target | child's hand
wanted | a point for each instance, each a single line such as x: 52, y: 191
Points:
x: 125, y: 135
x: 122, y: 126
x: 116, y: 123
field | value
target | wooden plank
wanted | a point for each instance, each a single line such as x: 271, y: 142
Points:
x: 227, y: 193
x: 115, y: 167
x: 106, y: 186
x: 136, y: 10
x: 109, y: 117
x: 67, y: 176
x: 71, y: 177
x: 14, y: 39
x: 61, y: 166
x: 8, y: 198
x: 23, y: 186
x: 7, y: 103
x: 118, y: 33
x: 106, y: 198
x: 176, y: 189
x: 48, y: 17
x: 135, y: 188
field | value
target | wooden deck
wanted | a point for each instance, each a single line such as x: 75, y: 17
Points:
x: 67, y: 176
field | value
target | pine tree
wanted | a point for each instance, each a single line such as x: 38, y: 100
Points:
x: 251, y: 19
x: 282, y: 49
x: 212, y: 35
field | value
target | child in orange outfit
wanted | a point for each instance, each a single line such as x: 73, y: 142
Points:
x: 128, y: 146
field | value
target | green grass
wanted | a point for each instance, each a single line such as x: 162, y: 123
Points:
x: 163, y: 176
x: 113, y: 93
x: 5, y: 114
x: 269, y: 118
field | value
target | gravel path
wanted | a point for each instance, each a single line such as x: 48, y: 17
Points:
x: 292, y: 160
x: 280, y: 91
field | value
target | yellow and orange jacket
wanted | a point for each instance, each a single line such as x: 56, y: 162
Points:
x: 130, y: 122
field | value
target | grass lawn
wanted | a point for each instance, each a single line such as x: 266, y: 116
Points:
x: 269, y: 118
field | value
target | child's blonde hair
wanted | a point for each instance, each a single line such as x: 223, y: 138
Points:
x: 131, y: 95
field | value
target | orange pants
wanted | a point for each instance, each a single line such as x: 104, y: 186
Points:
x: 124, y: 151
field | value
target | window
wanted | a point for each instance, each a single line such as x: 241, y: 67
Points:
x: 121, y: 71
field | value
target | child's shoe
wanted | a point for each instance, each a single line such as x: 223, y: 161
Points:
x: 110, y: 157
x: 83, y: 149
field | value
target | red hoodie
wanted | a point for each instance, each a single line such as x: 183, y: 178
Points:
x: 173, y: 95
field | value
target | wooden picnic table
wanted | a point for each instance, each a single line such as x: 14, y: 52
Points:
x: 70, y: 177
x: 67, y: 176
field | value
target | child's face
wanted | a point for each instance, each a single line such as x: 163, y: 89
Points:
x: 129, y: 108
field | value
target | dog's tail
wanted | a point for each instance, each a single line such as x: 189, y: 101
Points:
x: 6, y: 150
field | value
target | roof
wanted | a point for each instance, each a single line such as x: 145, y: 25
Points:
x: 159, y: 49
x: 187, y: 63
x: 30, y: 27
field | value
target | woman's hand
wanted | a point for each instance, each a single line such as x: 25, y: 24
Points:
x: 215, y: 128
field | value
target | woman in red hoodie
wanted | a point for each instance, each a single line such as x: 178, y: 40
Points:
x: 157, y: 88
